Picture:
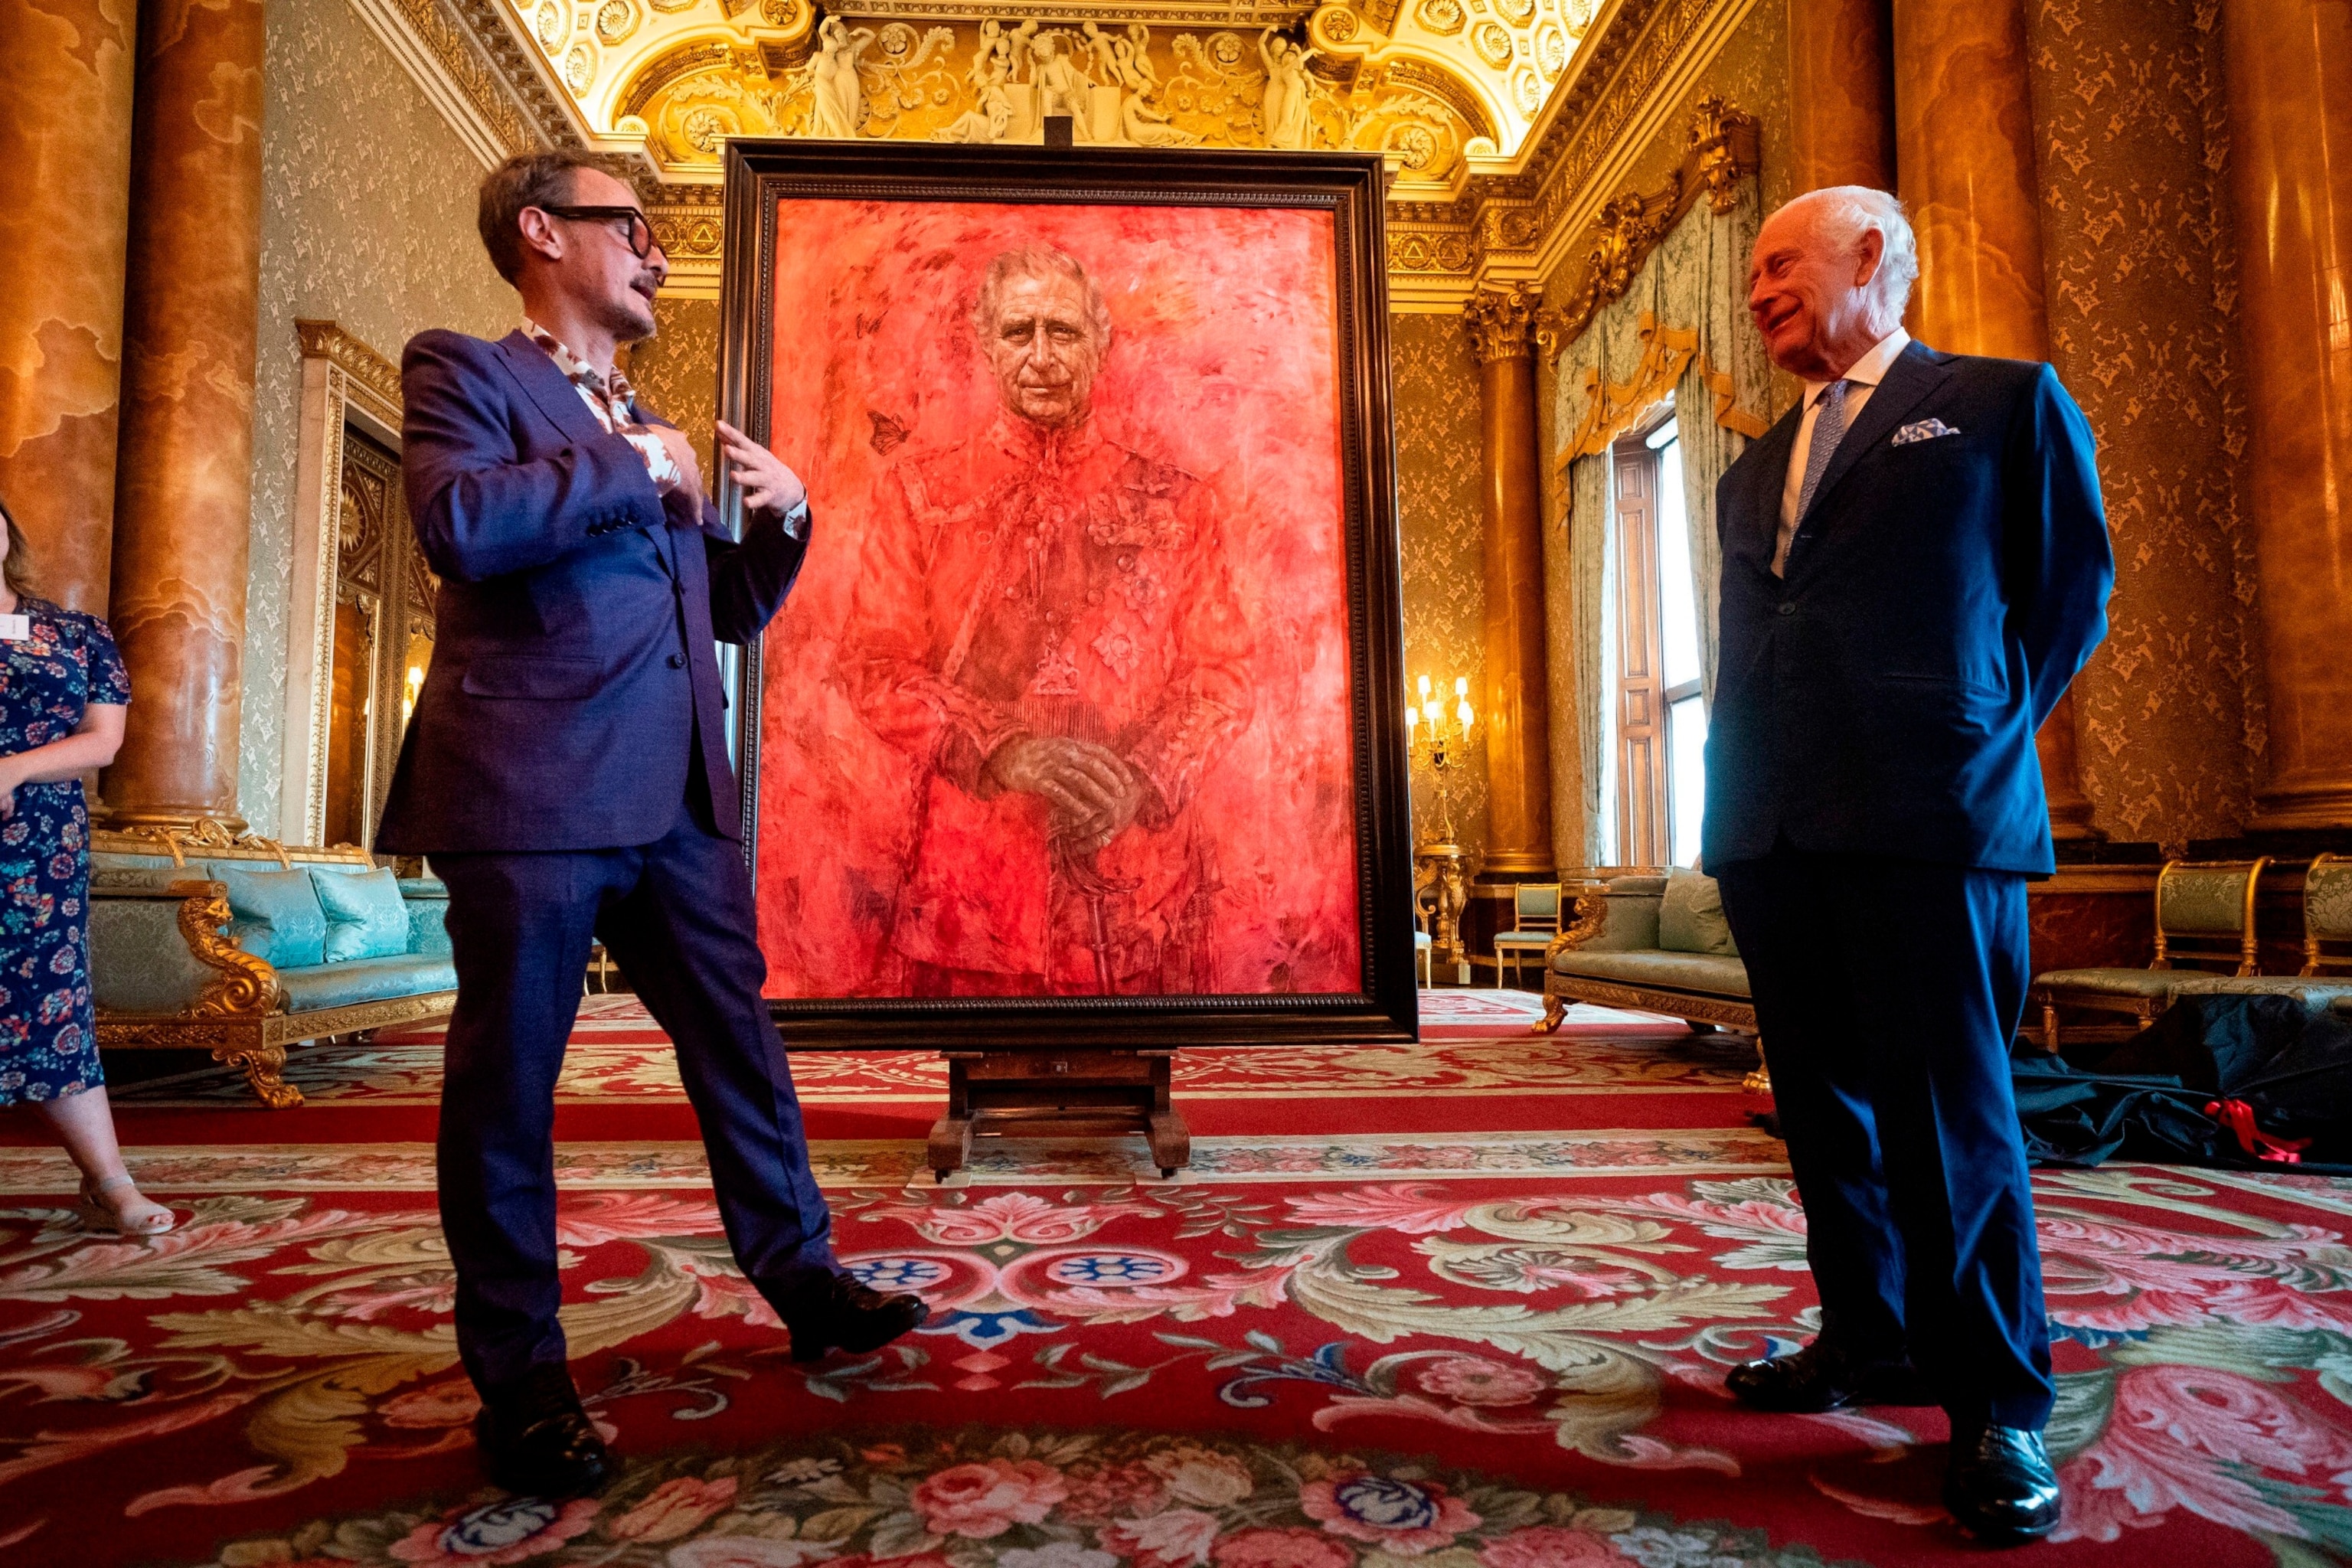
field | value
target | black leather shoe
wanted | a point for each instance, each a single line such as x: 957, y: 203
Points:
x: 1819, y: 1377
x: 2000, y: 1487
x: 843, y: 1313
x: 536, y: 1439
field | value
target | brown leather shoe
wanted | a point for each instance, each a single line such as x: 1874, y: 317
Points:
x: 537, y: 1440
x: 1821, y: 1377
x: 846, y: 1313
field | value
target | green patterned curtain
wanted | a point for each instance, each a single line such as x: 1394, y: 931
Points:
x: 1682, y: 328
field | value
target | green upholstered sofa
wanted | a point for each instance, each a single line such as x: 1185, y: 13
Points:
x: 1658, y: 944
x: 168, y: 969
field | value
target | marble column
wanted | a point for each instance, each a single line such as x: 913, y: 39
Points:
x: 1841, y: 94
x: 1964, y: 143
x: 2288, y: 65
x: 1516, y: 716
x: 66, y: 141
x: 184, y: 482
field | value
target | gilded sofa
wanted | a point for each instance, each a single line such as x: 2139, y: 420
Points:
x: 1655, y: 943
x: 167, y: 975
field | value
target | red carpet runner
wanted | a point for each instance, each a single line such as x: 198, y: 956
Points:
x: 1468, y: 1305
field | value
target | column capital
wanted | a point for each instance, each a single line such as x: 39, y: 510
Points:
x: 1502, y: 322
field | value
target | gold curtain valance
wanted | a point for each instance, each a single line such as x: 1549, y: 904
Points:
x: 1612, y: 408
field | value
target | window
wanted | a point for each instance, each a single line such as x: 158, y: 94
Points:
x: 1659, y: 713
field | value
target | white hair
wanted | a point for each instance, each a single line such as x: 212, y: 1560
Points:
x: 1846, y: 212
x: 1040, y: 261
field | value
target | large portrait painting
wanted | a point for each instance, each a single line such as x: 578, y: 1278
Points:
x: 1069, y: 718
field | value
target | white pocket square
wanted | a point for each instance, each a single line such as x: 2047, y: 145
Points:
x: 1922, y: 430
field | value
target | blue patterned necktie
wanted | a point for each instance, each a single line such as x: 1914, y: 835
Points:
x: 1828, y: 429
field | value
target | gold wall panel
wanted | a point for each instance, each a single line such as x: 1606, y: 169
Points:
x: 2141, y: 288
x: 675, y: 372
x: 1440, y: 489
x: 367, y: 220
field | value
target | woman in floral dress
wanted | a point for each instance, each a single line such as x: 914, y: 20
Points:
x: 62, y: 695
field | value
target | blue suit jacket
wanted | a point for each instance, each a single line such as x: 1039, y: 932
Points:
x: 1940, y: 594
x: 573, y: 674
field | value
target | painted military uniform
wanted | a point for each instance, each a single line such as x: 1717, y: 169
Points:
x: 1069, y: 586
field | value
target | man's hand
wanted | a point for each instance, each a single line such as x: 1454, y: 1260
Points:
x: 1094, y: 794
x: 681, y: 452
x: 766, y: 483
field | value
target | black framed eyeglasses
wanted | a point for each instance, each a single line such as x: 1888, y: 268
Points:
x: 640, y: 239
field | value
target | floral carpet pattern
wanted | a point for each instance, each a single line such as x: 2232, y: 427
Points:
x: 1448, y: 1370
x: 1482, y: 1046
x: 1324, y: 1347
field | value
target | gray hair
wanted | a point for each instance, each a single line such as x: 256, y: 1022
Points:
x: 1038, y: 261
x: 1846, y: 212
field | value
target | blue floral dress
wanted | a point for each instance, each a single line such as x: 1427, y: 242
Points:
x: 49, y: 1039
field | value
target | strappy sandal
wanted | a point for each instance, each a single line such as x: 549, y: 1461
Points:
x: 97, y: 1215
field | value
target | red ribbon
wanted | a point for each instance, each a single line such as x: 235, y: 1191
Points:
x: 2239, y: 1118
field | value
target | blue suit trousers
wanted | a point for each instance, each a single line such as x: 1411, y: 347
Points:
x: 677, y: 916
x: 1887, y: 993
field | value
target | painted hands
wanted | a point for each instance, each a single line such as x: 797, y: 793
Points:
x: 1094, y: 794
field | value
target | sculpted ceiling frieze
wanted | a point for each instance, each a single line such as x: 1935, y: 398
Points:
x: 1495, y: 117
x: 1442, y: 88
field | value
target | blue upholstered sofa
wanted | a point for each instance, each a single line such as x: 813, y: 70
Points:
x: 237, y: 945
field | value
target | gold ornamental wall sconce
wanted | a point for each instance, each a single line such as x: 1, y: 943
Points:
x: 1439, y: 741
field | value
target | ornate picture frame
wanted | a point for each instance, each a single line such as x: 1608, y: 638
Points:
x: 869, y: 240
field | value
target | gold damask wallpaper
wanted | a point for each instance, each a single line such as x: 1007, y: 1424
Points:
x: 2141, y: 279
x: 676, y: 373
x: 1438, y: 480
x: 367, y: 220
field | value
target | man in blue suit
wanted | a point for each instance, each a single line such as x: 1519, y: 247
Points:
x: 567, y: 771
x: 1915, y: 565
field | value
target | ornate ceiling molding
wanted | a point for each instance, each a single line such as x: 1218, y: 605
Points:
x: 1720, y: 151
x: 456, y: 74
x: 1494, y: 184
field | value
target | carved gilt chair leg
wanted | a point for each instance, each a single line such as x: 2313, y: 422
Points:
x: 2049, y: 1027
x: 1554, y: 1009
x: 263, y: 1067
x: 1760, y: 1080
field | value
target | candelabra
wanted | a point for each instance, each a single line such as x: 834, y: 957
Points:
x: 1441, y: 743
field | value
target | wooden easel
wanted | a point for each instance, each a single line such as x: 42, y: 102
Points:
x: 1045, y: 1093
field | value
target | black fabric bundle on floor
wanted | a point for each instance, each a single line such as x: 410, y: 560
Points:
x: 2145, y: 1098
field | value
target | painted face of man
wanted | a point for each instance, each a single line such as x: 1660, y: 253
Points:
x: 1043, y: 348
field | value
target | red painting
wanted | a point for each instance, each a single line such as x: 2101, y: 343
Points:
x: 1060, y: 705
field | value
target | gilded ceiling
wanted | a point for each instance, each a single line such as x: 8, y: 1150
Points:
x: 1442, y: 88
x: 1503, y: 121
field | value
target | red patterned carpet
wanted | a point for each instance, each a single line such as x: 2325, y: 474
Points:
x: 1388, y: 1333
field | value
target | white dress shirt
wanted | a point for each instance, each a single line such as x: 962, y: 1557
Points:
x: 1862, y: 381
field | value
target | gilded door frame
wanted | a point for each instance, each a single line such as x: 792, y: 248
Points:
x: 345, y: 383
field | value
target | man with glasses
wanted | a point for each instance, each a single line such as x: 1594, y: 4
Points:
x: 567, y: 771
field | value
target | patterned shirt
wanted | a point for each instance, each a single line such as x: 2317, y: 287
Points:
x: 612, y: 400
